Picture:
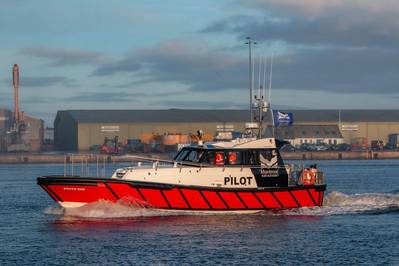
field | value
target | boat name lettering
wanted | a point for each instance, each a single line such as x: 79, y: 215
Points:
x: 269, y: 172
x: 233, y: 180
x: 74, y: 188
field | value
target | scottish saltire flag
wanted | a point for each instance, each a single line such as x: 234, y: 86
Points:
x: 282, y: 119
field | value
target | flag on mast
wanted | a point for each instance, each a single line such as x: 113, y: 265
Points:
x: 282, y: 119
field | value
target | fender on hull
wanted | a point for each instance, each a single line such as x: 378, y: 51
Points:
x: 77, y: 191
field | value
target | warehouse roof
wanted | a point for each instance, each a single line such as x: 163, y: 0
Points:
x: 170, y: 115
x: 308, y: 131
x: 197, y: 115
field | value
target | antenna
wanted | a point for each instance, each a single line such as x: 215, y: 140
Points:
x: 259, y: 71
x: 270, y: 79
x: 270, y: 93
x: 253, y: 76
x: 250, y: 42
x: 264, y: 75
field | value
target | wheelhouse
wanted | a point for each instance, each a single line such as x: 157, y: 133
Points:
x: 230, y: 157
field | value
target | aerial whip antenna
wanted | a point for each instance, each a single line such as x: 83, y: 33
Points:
x: 250, y: 75
x: 270, y: 79
x: 270, y: 93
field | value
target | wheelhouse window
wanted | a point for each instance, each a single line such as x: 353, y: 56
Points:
x: 219, y: 158
x: 234, y: 157
x: 182, y: 154
x: 268, y: 158
x: 194, y: 156
x: 189, y: 155
x: 250, y: 157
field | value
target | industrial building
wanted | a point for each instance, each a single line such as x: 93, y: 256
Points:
x: 31, y: 137
x: 80, y: 129
x: 310, y: 134
x: 18, y: 131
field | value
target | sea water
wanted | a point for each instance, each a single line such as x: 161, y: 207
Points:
x: 359, y: 224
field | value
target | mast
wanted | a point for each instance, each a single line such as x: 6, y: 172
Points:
x: 250, y: 74
x: 270, y: 94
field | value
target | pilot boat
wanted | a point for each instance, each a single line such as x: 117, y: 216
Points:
x: 245, y: 174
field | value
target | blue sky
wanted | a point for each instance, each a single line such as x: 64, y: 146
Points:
x: 191, y: 54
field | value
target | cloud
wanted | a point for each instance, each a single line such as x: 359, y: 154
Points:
x: 64, y: 57
x: 319, y: 8
x: 363, y: 23
x: 119, y: 96
x: 193, y: 64
x: 47, y: 81
x: 203, y: 104
x: 44, y: 81
x: 129, y: 64
x: 39, y: 100
x: 207, y: 70
x: 338, y: 71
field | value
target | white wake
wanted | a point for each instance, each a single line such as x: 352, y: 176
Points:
x: 337, y: 203
x: 106, y: 209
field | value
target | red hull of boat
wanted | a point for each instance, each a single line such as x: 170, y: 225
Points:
x: 163, y: 196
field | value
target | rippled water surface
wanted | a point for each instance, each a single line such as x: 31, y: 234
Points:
x: 359, y: 224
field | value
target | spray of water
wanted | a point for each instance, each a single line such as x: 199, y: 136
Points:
x: 335, y: 203
x: 105, y: 209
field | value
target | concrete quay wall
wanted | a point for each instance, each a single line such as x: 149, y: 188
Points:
x: 340, y: 155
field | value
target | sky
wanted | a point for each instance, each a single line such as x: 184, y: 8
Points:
x: 95, y: 54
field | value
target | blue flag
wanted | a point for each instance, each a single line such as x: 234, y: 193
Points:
x: 282, y: 119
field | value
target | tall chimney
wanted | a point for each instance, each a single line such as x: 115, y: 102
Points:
x: 15, y: 83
